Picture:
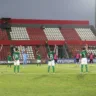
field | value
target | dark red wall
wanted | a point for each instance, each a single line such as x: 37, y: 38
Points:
x: 30, y: 21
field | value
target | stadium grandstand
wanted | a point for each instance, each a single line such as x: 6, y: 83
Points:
x: 69, y: 35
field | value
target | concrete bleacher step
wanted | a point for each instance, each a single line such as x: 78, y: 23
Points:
x: 19, y: 33
x: 53, y: 34
x: 85, y: 34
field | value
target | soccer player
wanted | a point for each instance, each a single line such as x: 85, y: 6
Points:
x: 38, y: 56
x: 24, y: 55
x: 50, y: 56
x: 84, y: 60
x: 9, y: 58
x: 16, y: 56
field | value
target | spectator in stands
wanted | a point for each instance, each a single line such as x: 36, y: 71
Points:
x: 1, y: 47
x: 91, y: 56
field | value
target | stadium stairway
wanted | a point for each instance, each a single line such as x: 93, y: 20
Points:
x: 70, y: 34
x: 66, y: 51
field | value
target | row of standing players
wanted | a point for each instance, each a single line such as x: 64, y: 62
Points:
x: 83, y: 59
x: 52, y: 58
x: 50, y: 55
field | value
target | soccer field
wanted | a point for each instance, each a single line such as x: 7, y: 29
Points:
x: 35, y: 81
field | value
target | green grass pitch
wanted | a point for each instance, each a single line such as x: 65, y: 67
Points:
x: 35, y: 81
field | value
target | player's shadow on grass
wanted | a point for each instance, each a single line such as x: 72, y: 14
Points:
x: 40, y: 77
x: 81, y: 76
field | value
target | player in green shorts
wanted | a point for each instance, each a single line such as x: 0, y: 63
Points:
x: 50, y: 56
x: 83, y: 55
x: 16, y: 57
x: 9, y: 58
x: 38, y: 56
